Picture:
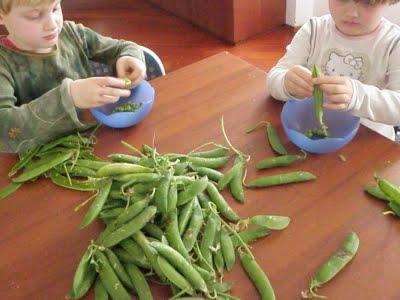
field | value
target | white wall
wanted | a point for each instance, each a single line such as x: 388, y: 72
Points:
x: 299, y: 11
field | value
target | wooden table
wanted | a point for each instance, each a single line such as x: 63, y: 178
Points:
x: 40, y: 242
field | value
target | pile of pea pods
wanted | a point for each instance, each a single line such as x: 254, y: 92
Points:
x: 164, y: 214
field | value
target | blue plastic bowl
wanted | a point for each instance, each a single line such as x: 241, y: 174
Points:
x: 298, y: 116
x: 143, y: 93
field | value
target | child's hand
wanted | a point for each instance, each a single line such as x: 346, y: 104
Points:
x: 132, y: 68
x: 97, y: 91
x: 338, y: 91
x: 298, y: 82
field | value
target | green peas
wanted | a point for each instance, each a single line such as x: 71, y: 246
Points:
x: 299, y: 176
x: 335, y: 264
x: 9, y: 189
x: 228, y: 250
x: 182, y: 265
x: 139, y: 281
x: 127, y: 107
x: 55, y: 161
x: 174, y: 276
x: 114, y: 169
x: 131, y: 227
x: 279, y: 161
x: 270, y: 222
x: 109, y: 279
x: 97, y: 205
x: 192, y: 190
x: 221, y: 204
x: 257, y: 276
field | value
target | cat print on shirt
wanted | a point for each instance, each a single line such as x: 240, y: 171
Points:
x: 349, y: 65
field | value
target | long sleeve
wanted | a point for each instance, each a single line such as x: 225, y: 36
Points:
x: 297, y: 53
x: 37, y: 122
x: 380, y: 105
x: 104, y: 49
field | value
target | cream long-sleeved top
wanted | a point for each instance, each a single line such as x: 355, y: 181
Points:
x: 371, y: 61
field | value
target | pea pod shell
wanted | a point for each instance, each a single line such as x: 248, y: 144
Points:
x: 100, y: 292
x: 58, y: 159
x: 377, y: 193
x: 213, y: 163
x: 257, y: 276
x: 228, y: 176
x: 221, y: 203
x: 278, y: 161
x: 9, y: 189
x: 274, y: 140
x: 114, y: 169
x: 228, y: 250
x: 391, y: 190
x: 97, y: 204
x: 279, y: 179
x: 174, y: 276
x: 139, y: 281
x: 337, y: 261
x: 192, y: 190
x: 217, y: 152
x: 270, y: 222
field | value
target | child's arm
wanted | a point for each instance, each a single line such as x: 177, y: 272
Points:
x: 297, y: 53
x: 380, y: 105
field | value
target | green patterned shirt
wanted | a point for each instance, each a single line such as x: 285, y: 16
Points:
x: 35, y: 102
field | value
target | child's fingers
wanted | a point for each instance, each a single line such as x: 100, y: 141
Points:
x: 329, y: 80
x: 109, y: 91
x: 304, y: 74
x: 333, y: 88
x: 104, y: 99
x: 335, y: 106
x: 339, y: 98
x: 300, y: 83
x: 111, y: 82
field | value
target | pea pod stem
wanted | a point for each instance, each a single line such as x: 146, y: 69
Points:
x: 213, y: 209
x: 134, y: 149
x: 85, y: 202
x: 246, y: 156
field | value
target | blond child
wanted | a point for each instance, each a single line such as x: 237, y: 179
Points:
x: 45, y: 77
x: 358, y: 50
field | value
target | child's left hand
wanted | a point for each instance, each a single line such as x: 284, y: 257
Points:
x: 338, y: 91
x: 132, y: 68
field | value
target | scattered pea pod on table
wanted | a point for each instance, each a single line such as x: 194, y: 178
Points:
x: 292, y: 177
x: 272, y: 137
x: 333, y: 266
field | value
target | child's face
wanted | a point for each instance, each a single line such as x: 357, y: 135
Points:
x: 356, y: 18
x: 34, y: 29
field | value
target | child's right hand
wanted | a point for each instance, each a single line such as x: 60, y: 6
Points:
x: 298, y: 82
x: 97, y: 91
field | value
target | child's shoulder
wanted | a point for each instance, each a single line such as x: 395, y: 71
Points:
x: 388, y: 26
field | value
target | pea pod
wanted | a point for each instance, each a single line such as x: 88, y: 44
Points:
x: 218, y: 258
x: 109, y: 279
x: 9, y: 189
x: 153, y: 230
x: 114, y: 169
x: 84, y: 276
x: 377, y: 193
x: 31, y: 174
x: 190, y: 235
x: 210, y: 230
x: 318, y: 103
x: 172, y: 196
x: 228, y: 250
x: 272, y: 137
x: 131, y: 212
x: 334, y: 265
x: 182, y: 265
x: 229, y: 175
x: 119, y: 269
x: 73, y: 184
x: 124, y: 158
x: 217, y: 152
x: 25, y: 160
x: 127, y: 258
x: 213, y: 162
x: 236, y: 184
x: 161, y: 195
x: 174, y: 276
x: 221, y: 204
x: 257, y: 276
x: 210, y: 173
x: 139, y: 281
x: 173, y: 236
x: 299, y: 176
x: 278, y: 161
x: 192, y: 190
x: 391, y: 190
x: 97, y: 204
x: 131, y: 227
x: 134, y: 250
x: 250, y: 235
x: 270, y: 222
x: 100, y: 292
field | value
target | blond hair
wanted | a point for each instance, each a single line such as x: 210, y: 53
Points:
x: 7, y: 5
